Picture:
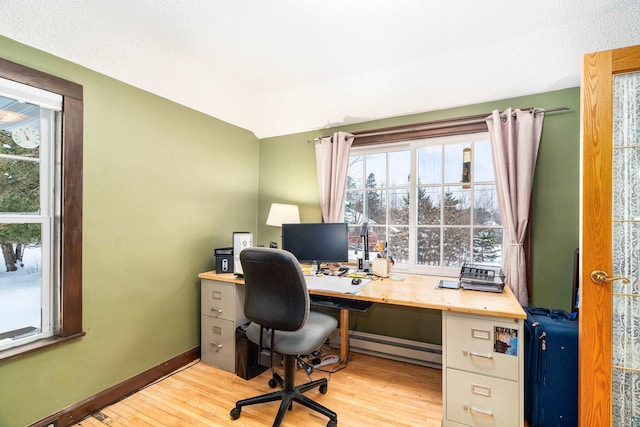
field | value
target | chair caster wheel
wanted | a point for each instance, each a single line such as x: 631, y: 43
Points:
x: 323, y: 390
x: 235, y: 413
x: 332, y: 424
x: 273, y: 383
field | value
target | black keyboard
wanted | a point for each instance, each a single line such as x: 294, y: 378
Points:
x: 340, y: 303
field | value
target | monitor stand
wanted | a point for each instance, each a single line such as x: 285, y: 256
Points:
x: 315, y: 267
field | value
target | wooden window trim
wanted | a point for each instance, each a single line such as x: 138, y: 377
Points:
x: 71, y: 216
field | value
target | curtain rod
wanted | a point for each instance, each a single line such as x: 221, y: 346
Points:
x: 444, y: 123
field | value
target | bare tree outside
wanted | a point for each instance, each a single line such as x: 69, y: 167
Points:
x: 19, y: 193
x: 454, y: 223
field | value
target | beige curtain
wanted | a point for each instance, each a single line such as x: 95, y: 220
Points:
x: 332, y: 163
x: 515, y: 137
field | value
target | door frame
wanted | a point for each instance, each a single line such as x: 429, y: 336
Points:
x: 596, y: 105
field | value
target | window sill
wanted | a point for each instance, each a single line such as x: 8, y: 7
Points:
x: 22, y: 350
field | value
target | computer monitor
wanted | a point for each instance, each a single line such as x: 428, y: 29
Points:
x: 319, y: 242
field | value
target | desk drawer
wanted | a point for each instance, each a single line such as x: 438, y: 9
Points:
x: 481, y: 401
x: 218, y: 299
x: 479, y: 345
x: 218, y: 342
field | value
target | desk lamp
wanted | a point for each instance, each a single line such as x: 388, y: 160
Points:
x: 282, y: 214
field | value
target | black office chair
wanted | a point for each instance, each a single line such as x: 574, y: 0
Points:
x: 276, y: 300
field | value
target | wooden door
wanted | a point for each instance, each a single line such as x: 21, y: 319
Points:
x: 610, y: 235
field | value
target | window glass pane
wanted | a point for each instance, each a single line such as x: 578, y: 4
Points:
x: 376, y: 207
x: 20, y: 280
x: 429, y: 165
x: 453, y: 162
x: 354, y: 177
x: 485, y: 209
x: 399, y: 206
x: 376, y: 234
x: 487, y: 245
x: 428, y: 246
x: 353, y: 208
x: 20, y: 186
x: 19, y: 157
x: 457, y: 206
x: 429, y: 205
x: 398, y: 244
x: 456, y: 246
x: 482, y: 162
x: 376, y: 167
x: 434, y: 219
x: 399, y: 169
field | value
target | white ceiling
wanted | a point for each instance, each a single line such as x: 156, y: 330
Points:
x: 277, y: 67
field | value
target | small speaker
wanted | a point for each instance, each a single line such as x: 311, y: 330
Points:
x: 224, y: 260
x: 241, y: 240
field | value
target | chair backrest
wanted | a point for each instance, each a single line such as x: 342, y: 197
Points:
x: 276, y: 293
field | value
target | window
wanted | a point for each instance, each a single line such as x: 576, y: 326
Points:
x: 413, y: 197
x: 40, y: 209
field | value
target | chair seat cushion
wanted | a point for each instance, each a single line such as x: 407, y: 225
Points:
x: 303, y: 341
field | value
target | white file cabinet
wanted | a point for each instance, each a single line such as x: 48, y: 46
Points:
x: 482, y: 371
x: 221, y: 313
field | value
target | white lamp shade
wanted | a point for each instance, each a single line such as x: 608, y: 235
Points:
x: 283, y: 214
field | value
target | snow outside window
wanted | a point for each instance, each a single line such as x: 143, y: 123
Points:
x: 28, y: 140
x: 433, y: 201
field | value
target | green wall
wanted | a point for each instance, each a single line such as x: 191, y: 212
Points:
x: 161, y: 191
x: 288, y: 175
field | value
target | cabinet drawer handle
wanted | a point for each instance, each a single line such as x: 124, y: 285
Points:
x: 216, y: 310
x: 217, y: 346
x: 474, y: 354
x: 486, y: 412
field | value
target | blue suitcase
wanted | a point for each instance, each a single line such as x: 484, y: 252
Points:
x: 551, y: 368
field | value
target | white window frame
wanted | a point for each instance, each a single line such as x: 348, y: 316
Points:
x: 50, y: 130
x: 412, y: 146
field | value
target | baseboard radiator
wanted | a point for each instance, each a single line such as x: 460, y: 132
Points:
x: 399, y: 349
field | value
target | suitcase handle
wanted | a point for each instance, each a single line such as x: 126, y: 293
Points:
x: 552, y: 313
x: 474, y: 354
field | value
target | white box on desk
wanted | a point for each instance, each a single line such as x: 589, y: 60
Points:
x: 381, y: 267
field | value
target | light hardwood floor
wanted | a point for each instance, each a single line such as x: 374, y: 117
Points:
x: 370, y: 391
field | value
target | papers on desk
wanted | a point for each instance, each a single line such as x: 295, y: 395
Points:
x: 341, y: 285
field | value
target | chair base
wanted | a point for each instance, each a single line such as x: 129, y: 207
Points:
x: 290, y: 394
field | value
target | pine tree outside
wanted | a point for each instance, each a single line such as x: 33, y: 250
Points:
x: 453, y: 223
x: 20, y: 228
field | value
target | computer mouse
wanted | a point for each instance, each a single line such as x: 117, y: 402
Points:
x: 356, y: 281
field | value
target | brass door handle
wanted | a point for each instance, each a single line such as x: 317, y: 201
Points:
x: 600, y: 276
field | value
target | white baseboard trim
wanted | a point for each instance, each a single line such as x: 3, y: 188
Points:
x: 409, y: 351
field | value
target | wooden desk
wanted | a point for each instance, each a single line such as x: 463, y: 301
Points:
x: 471, y: 320
x: 414, y: 291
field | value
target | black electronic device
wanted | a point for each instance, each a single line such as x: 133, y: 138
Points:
x: 317, y: 242
x: 342, y: 271
x: 478, y: 277
x: 247, y: 363
x: 224, y: 260
x: 575, y: 293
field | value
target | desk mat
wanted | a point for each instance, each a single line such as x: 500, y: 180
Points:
x: 341, y: 285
